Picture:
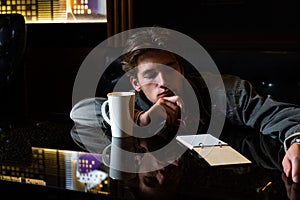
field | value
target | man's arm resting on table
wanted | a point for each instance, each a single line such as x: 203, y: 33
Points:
x: 87, y: 112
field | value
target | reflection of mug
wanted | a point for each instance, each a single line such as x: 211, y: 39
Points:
x: 115, y: 156
x: 121, y: 111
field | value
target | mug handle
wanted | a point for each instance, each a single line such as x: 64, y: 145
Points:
x: 105, y: 160
x: 103, y: 111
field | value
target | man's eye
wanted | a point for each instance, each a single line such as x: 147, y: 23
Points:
x: 150, y: 75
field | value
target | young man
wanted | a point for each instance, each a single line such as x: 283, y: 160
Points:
x: 163, y: 105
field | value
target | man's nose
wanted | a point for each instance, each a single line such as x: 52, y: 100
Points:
x: 162, y: 79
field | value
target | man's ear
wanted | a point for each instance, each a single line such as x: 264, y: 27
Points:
x: 135, y: 84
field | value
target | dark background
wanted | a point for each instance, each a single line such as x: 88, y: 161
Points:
x: 231, y: 29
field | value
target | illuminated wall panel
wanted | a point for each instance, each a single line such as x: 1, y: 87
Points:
x: 56, y: 11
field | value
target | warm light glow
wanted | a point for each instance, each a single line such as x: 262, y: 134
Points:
x: 265, y: 187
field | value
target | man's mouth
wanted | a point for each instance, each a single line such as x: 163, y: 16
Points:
x: 166, y: 93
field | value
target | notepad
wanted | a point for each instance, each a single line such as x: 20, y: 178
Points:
x: 213, y: 150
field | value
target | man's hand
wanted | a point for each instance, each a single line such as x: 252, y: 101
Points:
x: 165, y: 109
x: 291, y: 162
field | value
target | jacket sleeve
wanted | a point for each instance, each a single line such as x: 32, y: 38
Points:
x: 87, y: 112
x: 245, y: 106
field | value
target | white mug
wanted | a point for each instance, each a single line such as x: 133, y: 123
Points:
x: 121, y: 112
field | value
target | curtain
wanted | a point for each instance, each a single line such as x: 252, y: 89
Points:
x: 119, y: 17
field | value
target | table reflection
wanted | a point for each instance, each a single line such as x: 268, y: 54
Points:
x: 188, y: 177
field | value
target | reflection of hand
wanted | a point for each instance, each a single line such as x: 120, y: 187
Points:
x: 165, y: 109
x: 292, y: 189
x: 291, y: 162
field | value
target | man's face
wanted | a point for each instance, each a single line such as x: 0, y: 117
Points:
x: 158, y: 75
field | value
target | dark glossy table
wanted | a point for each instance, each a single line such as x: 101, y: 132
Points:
x: 30, y: 170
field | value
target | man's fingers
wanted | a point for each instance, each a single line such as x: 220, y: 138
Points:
x: 286, y: 166
x: 296, y: 170
x: 175, y: 100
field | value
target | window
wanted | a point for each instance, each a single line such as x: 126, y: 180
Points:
x: 56, y: 11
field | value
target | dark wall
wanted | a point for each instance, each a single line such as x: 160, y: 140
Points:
x: 54, y: 54
x: 219, y: 15
x: 226, y: 24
